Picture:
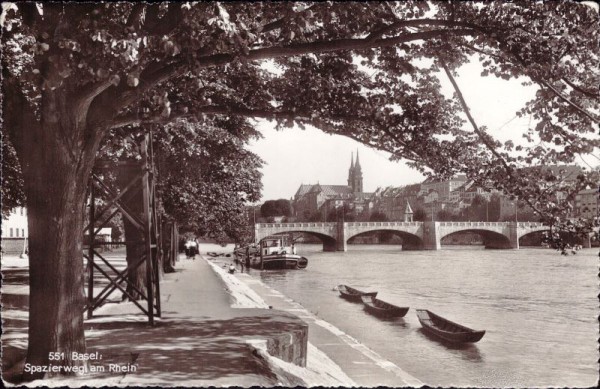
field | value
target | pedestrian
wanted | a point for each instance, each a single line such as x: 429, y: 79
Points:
x: 193, y: 249
x: 188, y: 246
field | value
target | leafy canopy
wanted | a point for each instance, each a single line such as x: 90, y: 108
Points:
x: 368, y: 71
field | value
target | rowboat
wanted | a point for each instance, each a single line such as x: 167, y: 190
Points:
x: 381, y: 308
x: 446, y: 329
x: 353, y: 294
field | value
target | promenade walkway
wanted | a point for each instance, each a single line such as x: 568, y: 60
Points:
x: 199, y: 341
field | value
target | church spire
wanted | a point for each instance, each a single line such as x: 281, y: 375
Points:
x: 355, y: 180
x: 351, y: 170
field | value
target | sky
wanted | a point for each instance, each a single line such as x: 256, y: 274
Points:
x: 293, y: 156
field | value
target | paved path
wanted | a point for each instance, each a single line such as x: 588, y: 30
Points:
x: 363, y: 365
x: 202, y: 341
x: 199, y: 341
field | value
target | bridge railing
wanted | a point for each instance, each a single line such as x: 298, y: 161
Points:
x: 293, y: 225
x: 472, y: 224
x: 383, y: 224
x: 531, y: 224
x: 489, y: 224
x: 397, y: 224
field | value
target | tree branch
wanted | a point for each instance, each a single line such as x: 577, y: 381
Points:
x: 483, y: 136
x: 581, y: 90
x: 135, y: 17
x: 375, y: 35
x: 281, y: 22
x: 565, y: 99
x: 539, y: 81
x: 122, y: 98
x: 162, y: 26
x: 306, y: 118
x: 88, y: 93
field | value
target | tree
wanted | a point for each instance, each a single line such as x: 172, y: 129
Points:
x: 343, y: 213
x: 279, y: 207
x: 12, y: 181
x: 74, y: 73
x: 315, y: 217
x: 378, y: 217
x: 444, y: 215
x: 419, y: 215
x: 494, y: 208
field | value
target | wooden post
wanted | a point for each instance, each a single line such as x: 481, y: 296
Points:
x: 260, y: 250
x: 147, y: 229
x: 144, y: 219
x: 90, y: 296
x: 156, y: 219
x: 158, y: 252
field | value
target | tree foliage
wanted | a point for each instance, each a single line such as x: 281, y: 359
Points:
x: 378, y: 217
x: 74, y: 73
x: 419, y: 215
x: 281, y: 207
x: 12, y: 179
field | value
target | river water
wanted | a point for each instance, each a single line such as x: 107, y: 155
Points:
x: 539, y: 310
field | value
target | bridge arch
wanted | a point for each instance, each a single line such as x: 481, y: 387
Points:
x: 533, y: 231
x: 491, y: 238
x: 329, y: 243
x: 424, y: 235
x: 326, y: 232
x: 410, y: 241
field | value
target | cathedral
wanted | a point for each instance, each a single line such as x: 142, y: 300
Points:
x: 311, y: 200
x: 355, y: 180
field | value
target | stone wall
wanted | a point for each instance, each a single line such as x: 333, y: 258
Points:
x: 291, y: 346
x: 12, y: 245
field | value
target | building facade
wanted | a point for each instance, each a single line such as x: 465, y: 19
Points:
x: 322, y: 199
x: 15, y: 232
x: 586, y: 204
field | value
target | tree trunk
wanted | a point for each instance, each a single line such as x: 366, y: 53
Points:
x: 135, y: 249
x: 169, y: 244
x: 55, y: 187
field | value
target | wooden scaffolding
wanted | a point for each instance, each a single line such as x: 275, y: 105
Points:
x: 149, y: 225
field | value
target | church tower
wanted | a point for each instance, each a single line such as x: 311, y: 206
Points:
x: 355, y: 179
x: 351, y: 171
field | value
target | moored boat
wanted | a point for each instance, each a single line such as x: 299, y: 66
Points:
x: 381, y: 308
x: 446, y: 329
x: 353, y: 294
x: 279, y: 252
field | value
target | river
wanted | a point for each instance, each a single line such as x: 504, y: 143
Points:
x: 539, y: 310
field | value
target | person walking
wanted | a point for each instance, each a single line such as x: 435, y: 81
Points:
x: 193, y: 249
x: 188, y: 247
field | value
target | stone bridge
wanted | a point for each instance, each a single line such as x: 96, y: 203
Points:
x: 415, y: 235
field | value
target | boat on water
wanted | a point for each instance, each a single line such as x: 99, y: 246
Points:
x: 446, y: 329
x: 249, y: 251
x: 353, y: 294
x: 278, y: 252
x: 381, y: 308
